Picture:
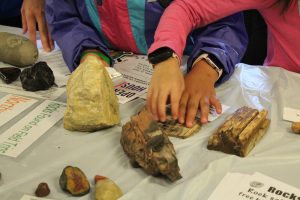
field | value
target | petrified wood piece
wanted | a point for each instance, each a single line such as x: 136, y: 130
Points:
x: 74, y: 181
x: 38, y: 77
x: 42, y: 190
x: 91, y: 101
x: 146, y: 145
x: 296, y: 127
x: 241, y: 132
x: 106, y: 189
x: 9, y: 74
x: 174, y: 129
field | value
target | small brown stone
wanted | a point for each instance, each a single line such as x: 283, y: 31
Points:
x: 42, y: 190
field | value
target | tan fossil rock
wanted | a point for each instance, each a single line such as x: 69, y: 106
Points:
x: 91, y: 101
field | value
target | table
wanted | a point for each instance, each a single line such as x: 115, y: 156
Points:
x: 276, y: 155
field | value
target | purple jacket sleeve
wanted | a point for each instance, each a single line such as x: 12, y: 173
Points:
x: 226, y: 39
x: 72, y: 29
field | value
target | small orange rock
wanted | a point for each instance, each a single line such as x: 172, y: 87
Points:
x: 296, y: 127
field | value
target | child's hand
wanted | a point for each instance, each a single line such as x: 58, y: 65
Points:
x: 167, y: 81
x: 199, y: 94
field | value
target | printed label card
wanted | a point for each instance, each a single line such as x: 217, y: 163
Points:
x: 213, y: 115
x: 12, y: 105
x: 236, y: 186
x: 291, y: 114
x: 20, y: 136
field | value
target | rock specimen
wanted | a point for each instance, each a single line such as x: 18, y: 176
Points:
x: 91, y: 101
x: 147, y: 146
x: 74, y: 181
x: 174, y: 129
x: 241, y: 132
x: 9, y: 74
x: 296, y: 127
x: 106, y: 189
x: 17, y: 50
x: 42, y: 190
x: 38, y: 77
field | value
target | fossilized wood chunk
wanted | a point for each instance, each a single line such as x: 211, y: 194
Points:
x: 241, y: 132
x: 146, y: 145
x: 296, y: 127
x: 91, y: 101
x: 74, y: 181
x: 174, y: 129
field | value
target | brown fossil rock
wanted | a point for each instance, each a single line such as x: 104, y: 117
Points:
x: 74, y: 181
x: 241, y: 132
x: 42, y: 190
x: 91, y: 101
x: 147, y: 146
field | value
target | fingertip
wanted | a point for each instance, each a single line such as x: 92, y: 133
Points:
x: 189, y: 123
x: 204, y: 120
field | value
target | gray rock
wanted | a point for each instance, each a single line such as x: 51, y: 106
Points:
x: 17, y: 50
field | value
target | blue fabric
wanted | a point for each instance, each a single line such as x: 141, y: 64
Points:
x: 136, y: 10
x: 10, y: 8
x: 72, y: 27
x: 96, y: 19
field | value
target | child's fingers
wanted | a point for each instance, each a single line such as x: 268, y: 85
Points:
x: 161, y: 104
x: 192, y: 108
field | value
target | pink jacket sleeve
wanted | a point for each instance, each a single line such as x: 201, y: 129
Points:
x: 182, y: 16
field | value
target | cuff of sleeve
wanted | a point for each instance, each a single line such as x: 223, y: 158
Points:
x: 205, y: 56
x: 97, y: 53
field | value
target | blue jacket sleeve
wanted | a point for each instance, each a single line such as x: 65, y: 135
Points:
x: 226, y: 39
x: 72, y: 29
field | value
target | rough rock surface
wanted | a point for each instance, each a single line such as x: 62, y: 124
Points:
x: 241, y: 132
x: 147, y: 146
x: 91, y: 101
x: 174, y: 129
x: 38, y: 77
x: 17, y: 50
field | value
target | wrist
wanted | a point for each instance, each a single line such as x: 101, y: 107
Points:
x: 212, y: 61
x: 95, y: 53
x: 205, y: 70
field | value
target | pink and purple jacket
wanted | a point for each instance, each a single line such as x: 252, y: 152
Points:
x: 129, y: 25
x: 283, y: 29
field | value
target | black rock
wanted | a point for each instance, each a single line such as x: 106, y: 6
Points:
x: 9, y: 74
x: 37, y: 77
